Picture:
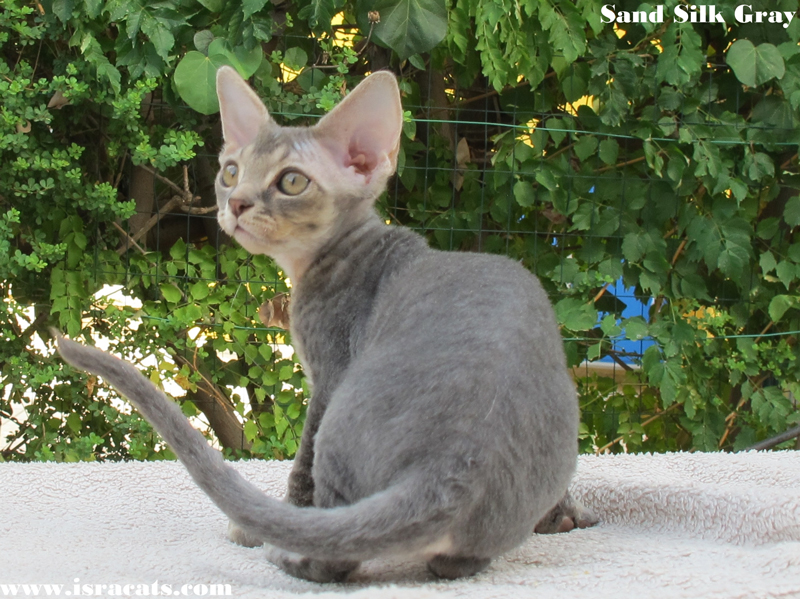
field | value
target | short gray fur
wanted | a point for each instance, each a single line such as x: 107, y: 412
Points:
x: 443, y: 421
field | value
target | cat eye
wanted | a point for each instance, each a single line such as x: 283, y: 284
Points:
x: 293, y: 183
x: 230, y: 175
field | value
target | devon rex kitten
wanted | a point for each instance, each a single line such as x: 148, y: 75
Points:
x: 443, y: 422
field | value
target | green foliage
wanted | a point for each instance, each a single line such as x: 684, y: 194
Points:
x: 663, y: 155
x: 195, y: 75
x: 755, y: 65
x: 408, y: 27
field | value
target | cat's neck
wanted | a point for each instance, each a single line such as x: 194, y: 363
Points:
x: 335, y: 298
x: 296, y: 264
x: 362, y: 254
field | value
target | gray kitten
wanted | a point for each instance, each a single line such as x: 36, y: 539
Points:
x: 443, y: 422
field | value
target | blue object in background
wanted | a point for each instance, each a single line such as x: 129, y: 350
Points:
x: 634, y: 307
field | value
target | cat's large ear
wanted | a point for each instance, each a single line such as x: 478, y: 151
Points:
x: 242, y: 111
x: 363, y: 130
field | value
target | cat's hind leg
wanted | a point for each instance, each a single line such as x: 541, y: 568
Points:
x: 450, y: 567
x: 567, y: 514
x: 241, y: 537
x: 307, y: 568
x: 325, y: 496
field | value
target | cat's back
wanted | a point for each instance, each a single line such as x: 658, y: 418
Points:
x: 476, y: 326
x: 463, y: 349
x: 468, y: 300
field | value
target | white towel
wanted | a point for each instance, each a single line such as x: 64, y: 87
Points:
x: 675, y: 525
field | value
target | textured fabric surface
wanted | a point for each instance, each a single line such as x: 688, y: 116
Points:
x: 675, y: 525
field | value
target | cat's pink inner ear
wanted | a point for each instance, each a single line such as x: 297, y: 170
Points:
x: 241, y: 110
x: 363, y: 131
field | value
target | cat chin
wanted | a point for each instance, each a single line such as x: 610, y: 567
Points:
x: 248, y: 241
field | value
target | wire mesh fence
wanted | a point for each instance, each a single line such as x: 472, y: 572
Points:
x: 540, y: 179
x: 656, y: 198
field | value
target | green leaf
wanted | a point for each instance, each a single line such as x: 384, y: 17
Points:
x: 546, y: 179
x: 732, y: 260
x: 171, y: 292
x: 594, y: 351
x: 650, y: 282
x: 295, y: 58
x: 786, y: 272
x: 779, y: 305
x: 524, y: 194
x: 632, y: 247
x: 791, y: 213
x: 251, y: 7
x: 565, y: 28
x: 266, y: 420
x: 202, y: 40
x: 80, y: 240
x: 609, y: 150
x: 63, y: 9
x: 319, y: 13
x: 609, y: 326
x: 293, y: 411
x: 407, y: 26
x: 670, y: 99
x: 250, y: 430
x: 189, y: 408
x: 754, y: 65
x: 281, y: 424
x: 74, y: 423
x: 93, y: 8
x: 265, y: 351
x: 585, y: 146
x: 758, y: 165
x: 178, y: 250
x: 555, y: 127
x: 416, y: 61
x: 767, y: 262
x: 214, y: 6
x: 111, y: 73
x: 199, y: 290
x: 652, y: 364
x: 196, y: 81
x: 574, y: 87
x: 159, y: 35
x: 683, y: 333
x: 575, y: 314
x: 635, y: 328
x: 246, y: 62
x: 683, y: 56
x: 94, y: 54
x: 768, y: 228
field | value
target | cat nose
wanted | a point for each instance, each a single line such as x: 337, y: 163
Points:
x: 239, y: 206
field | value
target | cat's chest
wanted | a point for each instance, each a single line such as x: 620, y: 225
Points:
x: 333, y: 305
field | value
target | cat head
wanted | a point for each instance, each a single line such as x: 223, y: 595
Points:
x: 285, y: 191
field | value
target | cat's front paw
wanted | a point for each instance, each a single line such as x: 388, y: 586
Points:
x: 567, y: 514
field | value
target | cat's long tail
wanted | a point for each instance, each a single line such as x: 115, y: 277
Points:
x: 403, y: 518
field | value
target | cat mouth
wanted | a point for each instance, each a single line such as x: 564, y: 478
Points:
x: 251, y: 242
x: 240, y: 234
